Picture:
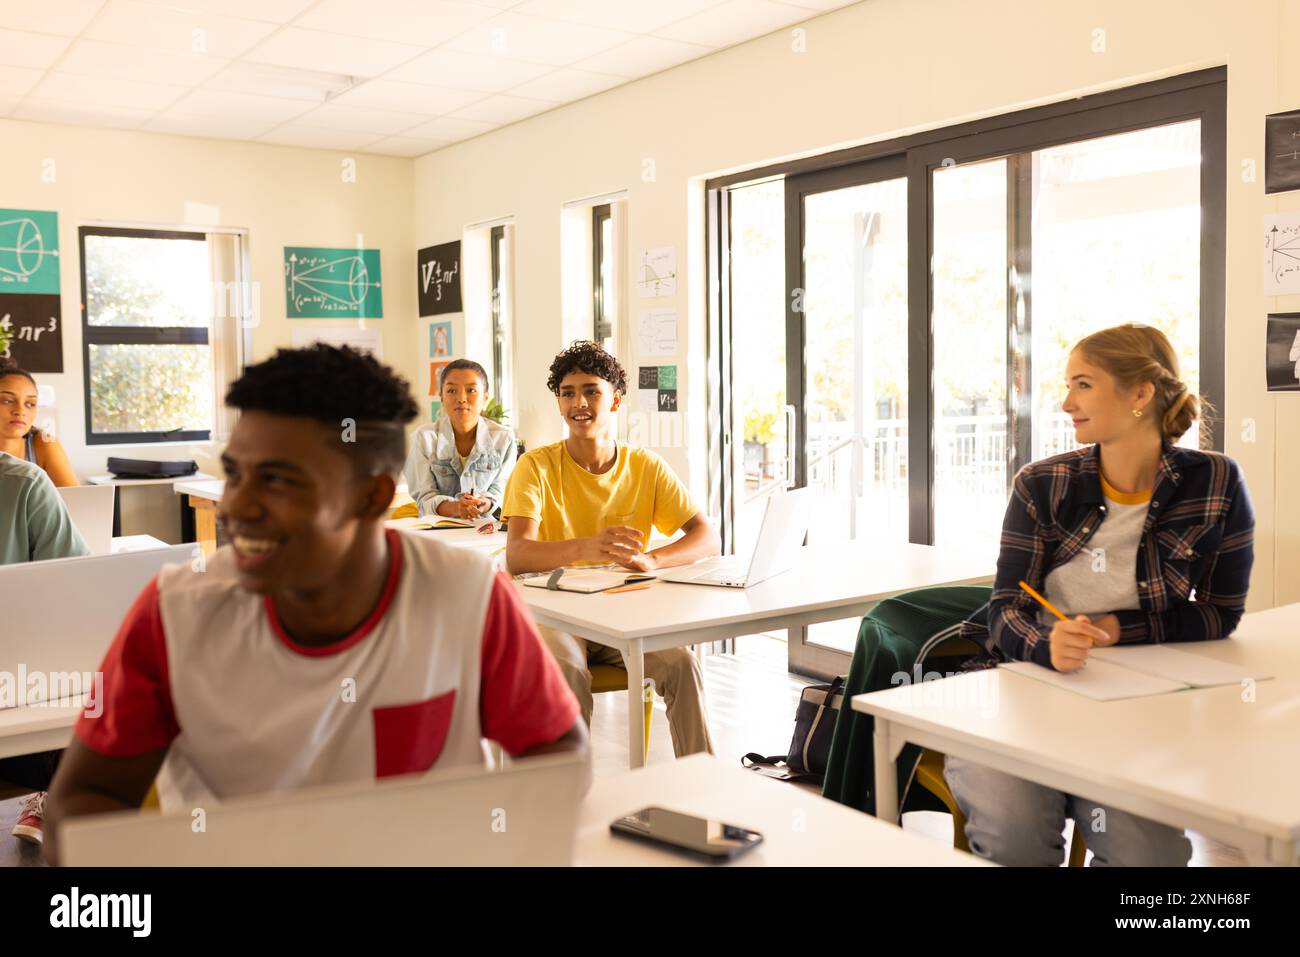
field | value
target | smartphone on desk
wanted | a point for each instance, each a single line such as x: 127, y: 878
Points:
x: 705, y: 838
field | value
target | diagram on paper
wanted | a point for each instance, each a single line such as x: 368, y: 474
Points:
x: 657, y: 332
x: 1282, y: 254
x: 328, y: 283
x: 657, y: 273
x: 29, y: 251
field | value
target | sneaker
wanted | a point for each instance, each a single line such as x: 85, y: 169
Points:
x: 31, y: 819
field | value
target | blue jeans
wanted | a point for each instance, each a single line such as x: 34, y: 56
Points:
x: 1018, y: 823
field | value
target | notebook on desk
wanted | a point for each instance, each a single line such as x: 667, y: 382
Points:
x: 586, y: 581
x: 1139, y: 671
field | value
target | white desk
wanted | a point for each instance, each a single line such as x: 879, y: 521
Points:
x: 799, y: 827
x: 39, y: 727
x: 1201, y: 759
x: 827, y: 583
x: 205, y: 488
x: 187, y: 527
x: 136, y: 543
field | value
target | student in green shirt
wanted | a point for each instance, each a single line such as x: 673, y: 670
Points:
x: 34, y: 523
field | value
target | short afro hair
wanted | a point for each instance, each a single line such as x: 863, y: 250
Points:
x: 349, y: 391
x: 587, y: 356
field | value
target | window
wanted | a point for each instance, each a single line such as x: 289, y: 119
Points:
x: 153, y: 366
x: 602, y: 275
x: 500, y: 314
x: 911, y: 359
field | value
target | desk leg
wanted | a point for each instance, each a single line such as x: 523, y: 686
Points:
x: 886, y: 774
x: 203, y: 522
x: 634, y: 661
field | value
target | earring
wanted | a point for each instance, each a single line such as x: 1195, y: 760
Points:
x: 1137, y: 413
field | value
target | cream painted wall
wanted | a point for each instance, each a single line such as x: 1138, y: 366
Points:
x: 870, y: 72
x: 282, y: 196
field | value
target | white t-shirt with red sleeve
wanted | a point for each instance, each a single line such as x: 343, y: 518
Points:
x: 448, y: 657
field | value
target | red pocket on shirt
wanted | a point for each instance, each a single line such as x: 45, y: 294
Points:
x: 409, y: 737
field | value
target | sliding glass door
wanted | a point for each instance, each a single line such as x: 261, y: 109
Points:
x: 913, y: 358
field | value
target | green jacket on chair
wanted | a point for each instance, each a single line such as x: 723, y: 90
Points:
x: 890, y: 638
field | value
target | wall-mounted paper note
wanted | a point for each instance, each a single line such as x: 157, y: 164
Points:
x: 657, y: 332
x: 1282, y: 254
x: 657, y: 273
x: 363, y: 340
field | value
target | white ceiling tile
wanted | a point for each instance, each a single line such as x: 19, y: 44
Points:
x: 267, y: 79
x: 65, y: 17
x: 273, y: 11
x: 464, y: 71
x: 520, y: 37
x: 502, y: 109
x: 240, y: 106
x: 820, y: 6
x: 404, y: 146
x: 18, y: 80
x: 228, y: 128
x: 181, y: 31
x: 564, y: 85
x: 93, y: 58
x: 107, y: 91
x: 407, y: 97
x: 642, y: 57
x: 36, y: 50
x: 77, y: 114
x: 293, y: 134
x: 450, y: 129
x: 429, y: 21
x: 734, y: 22
x: 7, y: 104
x: 634, y: 16
x: 360, y: 119
x: 332, y: 52
x: 498, y: 4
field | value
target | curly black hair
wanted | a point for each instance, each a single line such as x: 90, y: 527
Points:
x: 347, y: 390
x: 587, y: 356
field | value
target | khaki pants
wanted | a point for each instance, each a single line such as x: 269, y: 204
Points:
x: 675, y: 673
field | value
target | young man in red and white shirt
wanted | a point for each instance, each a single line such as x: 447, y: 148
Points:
x: 319, y: 647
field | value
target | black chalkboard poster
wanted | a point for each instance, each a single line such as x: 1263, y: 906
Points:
x: 35, y: 328
x: 438, y: 272
x: 1282, y: 352
x: 1282, y: 152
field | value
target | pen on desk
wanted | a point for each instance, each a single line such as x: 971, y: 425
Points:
x: 1042, y: 601
x: 622, y: 588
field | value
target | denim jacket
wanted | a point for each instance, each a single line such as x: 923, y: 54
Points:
x: 433, y: 471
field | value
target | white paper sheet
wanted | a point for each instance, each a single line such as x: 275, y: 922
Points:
x: 363, y: 340
x: 1099, y: 680
x: 1173, y: 664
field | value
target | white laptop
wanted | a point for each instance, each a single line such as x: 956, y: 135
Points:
x: 525, y: 815
x: 91, y: 509
x: 70, y: 609
x: 785, y: 523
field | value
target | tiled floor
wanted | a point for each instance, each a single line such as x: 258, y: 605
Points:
x: 751, y: 704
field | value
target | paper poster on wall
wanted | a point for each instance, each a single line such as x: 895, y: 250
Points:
x: 1282, y: 152
x: 29, y: 251
x: 1282, y: 352
x: 657, y: 332
x: 30, y: 306
x: 1282, y: 254
x: 435, y: 410
x: 321, y: 283
x: 657, y: 272
x: 438, y: 272
x: 657, y: 388
x: 363, y: 340
x: 439, y: 340
x: 435, y: 370
x: 31, y: 332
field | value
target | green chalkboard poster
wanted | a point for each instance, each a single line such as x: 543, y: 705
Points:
x: 332, y: 283
x: 29, y: 252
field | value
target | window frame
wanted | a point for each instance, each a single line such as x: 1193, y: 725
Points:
x: 497, y: 236
x: 602, y: 324
x: 134, y: 335
x: 1198, y: 95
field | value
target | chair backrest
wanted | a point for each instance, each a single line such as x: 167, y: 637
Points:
x: 91, y: 509
x: 64, y: 613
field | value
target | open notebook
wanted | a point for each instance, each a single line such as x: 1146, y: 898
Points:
x: 427, y: 523
x: 585, y: 580
x: 1139, y: 671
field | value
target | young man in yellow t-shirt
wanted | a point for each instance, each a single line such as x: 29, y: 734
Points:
x: 589, y: 500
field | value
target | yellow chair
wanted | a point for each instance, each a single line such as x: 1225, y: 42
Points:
x: 611, y: 678
x: 929, y: 769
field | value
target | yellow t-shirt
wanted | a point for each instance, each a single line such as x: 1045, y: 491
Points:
x: 567, y: 501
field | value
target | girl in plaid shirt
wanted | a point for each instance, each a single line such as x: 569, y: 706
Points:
x: 1135, y: 540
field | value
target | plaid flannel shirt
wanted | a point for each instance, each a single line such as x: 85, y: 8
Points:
x: 1193, y: 562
